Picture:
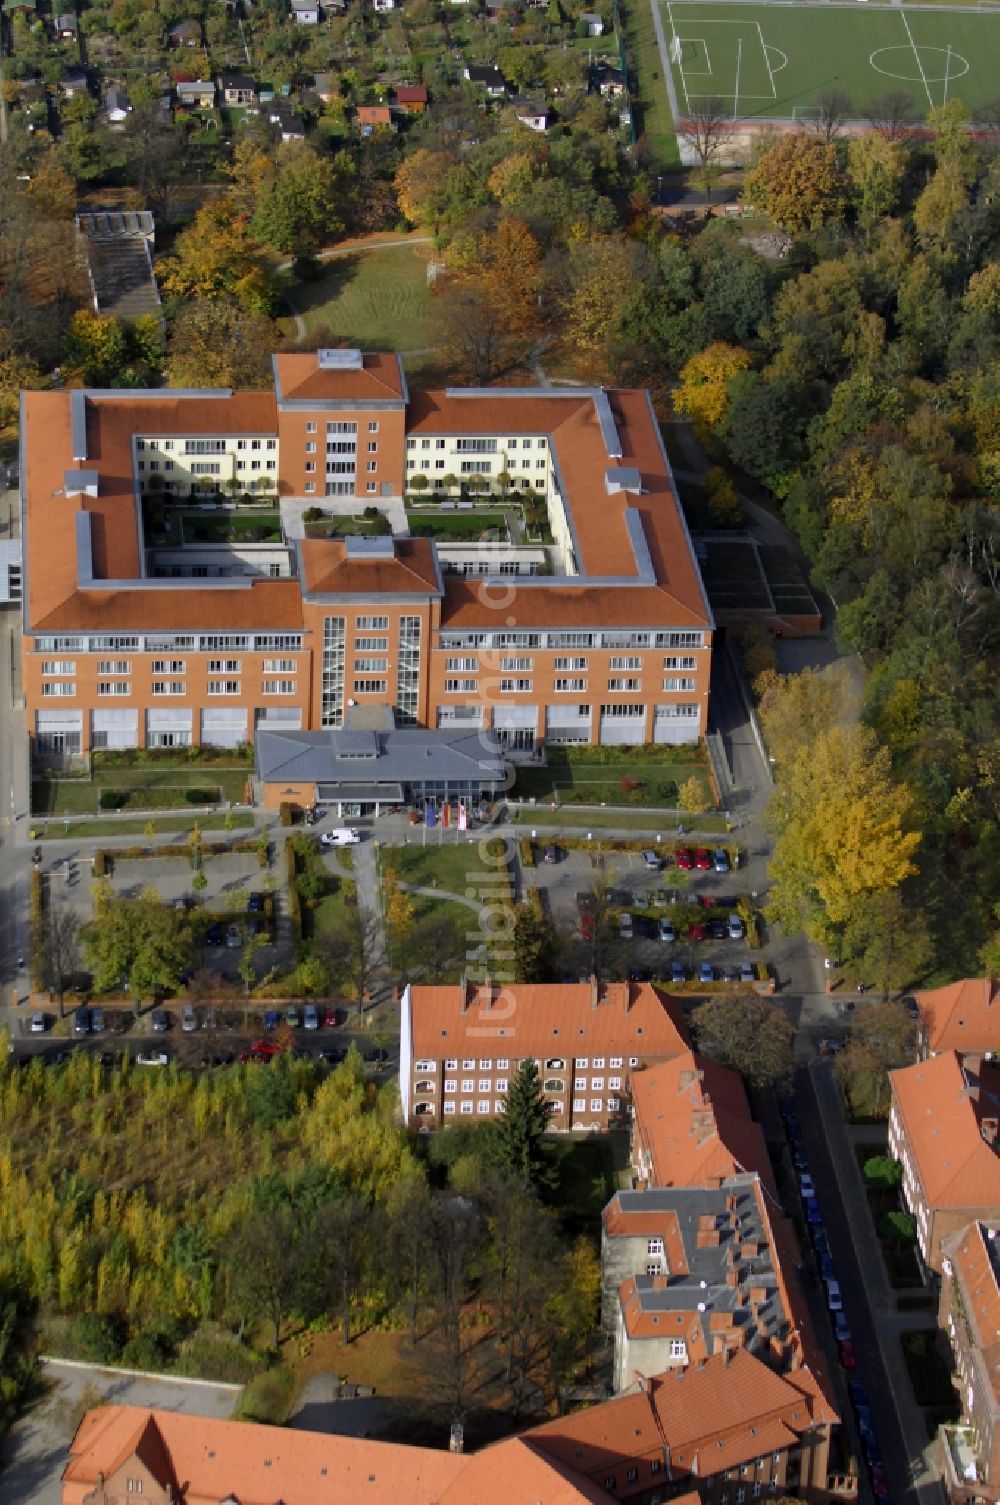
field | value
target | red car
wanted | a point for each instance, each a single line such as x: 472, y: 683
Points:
x: 703, y: 860
x: 684, y: 858
x: 697, y: 931
x: 847, y: 1357
x: 880, y: 1486
x: 263, y: 1050
x: 333, y: 1017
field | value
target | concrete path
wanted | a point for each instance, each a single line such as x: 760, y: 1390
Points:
x: 292, y: 510
x: 368, y: 888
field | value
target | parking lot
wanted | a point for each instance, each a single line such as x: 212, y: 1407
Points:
x: 678, y: 919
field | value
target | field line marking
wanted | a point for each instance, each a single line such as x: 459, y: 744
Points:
x: 680, y: 65
x: 767, y: 60
x: 662, y: 49
x: 916, y: 54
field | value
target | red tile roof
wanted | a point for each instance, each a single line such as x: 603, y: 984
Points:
x: 973, y: 1253
x: 300, y: 378
x: 411, y: 94
x: 693, y: 1117
x: 548, y: 1019
x: 329, y: 570
x: 963, y: 1016
x: 939, y: 1107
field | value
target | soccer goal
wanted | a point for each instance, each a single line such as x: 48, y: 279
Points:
x: 676, y: 49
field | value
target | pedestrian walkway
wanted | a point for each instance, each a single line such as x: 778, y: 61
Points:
x: 369, y: 896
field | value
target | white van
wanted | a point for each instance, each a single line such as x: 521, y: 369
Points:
x: 344, y: 837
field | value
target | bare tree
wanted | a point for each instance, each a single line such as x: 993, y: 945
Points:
x: 62, y: 949
x: 708, y: 130
x: 834, y: 109
x: 451, y: 1363
x: 344, y: 1237
x: 893, y: 114
x: 350, y: 950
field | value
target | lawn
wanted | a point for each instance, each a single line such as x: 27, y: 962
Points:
x: 578, y: 780
x: 454, y: 866
x: 231, y: 527
x: 376, y: 299
x: 769, y: 62
x: 566, y: 818
x: 458, y: 527
x: 62, y: 830
x: 162, y: 785
x: 586, y: 1178
x: 653, y: 119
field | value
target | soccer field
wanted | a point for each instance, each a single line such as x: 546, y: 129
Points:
x: 771, y: 61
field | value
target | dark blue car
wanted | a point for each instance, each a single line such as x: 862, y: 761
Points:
x: 271, y: 1020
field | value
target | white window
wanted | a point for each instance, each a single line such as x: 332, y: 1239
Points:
x: 516, y: 686
x: 278, y: 687
x: 58, y: 687
x: 279, y: 666
x: 483, y: 1106
x: 598, y: 1063
x: 461, y: 665
x: 369, y: 687
x: 460, y: 686
x: 596, y: 1104
x: 501, y: 1084
x: 449, y: 1109
x: 373, y: 446
x: 466, y: 1107
x: 597, y: 1084
x: 633, y: 1060
x: 485, y: 1085
x: 678, y: 1348
x: 169, y: 687
x: 570, y: 663
x: 614, y: 1104
x: 583, y: 1063
x: 114, y: 666
x: 59, y: 666
x: 373, y: 426
x: 224, y: 666
x: 450, y: 1086
x: 654, y: 1247
x: 169, y: 666
x: 310, y: 428
x: 372, y: 465
x: 619, y: 686
x: 110, y: 687
x: 678, y: 682
x: 311, y: 448
x: 571, y: 686
x: 371, y: 486
x: 451, y: 1064
x: 579, y: 1105
x: 685, y: 661
x: 626, y: 663
x: 370, y: 665
x: 580, y: 1084
x: 614, y: 1083
x: 372, y: 624
x: 468, y: 1085
x: 503, y: 1064
x: 310, y: 487
x: 517, y: 665
x: 223, y: 687
x: 310, y: 467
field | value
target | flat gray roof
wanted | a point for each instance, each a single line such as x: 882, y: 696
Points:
x: 352, y: 759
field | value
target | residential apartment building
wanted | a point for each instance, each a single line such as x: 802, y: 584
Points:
x: 148, y: 621
x: 943, y: 1130
x: 969, y: 1312
x: 691, y: 1126
x: 963, y: 1016
x: 460, y: 1046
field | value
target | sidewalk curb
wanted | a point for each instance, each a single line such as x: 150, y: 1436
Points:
x: 138, y: 1374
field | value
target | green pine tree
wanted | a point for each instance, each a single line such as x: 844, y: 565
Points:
x: 520, y: 1144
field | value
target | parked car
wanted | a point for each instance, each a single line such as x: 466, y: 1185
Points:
x: 829, y: 1047
x: 703, y: 860
x: 161, y: 1021
x: 820, y: 1241
x: 841, y: 1331
x: 847, y: 1355
x: 651, y: 860
x: 233, y: 937
x: 271, y: 1020
x: 912, y: 1008
x: 717, y: 929
x: 813, y: 1214
x: 806, y: 1187
x: 97, y: 1022
x: 344, y: 836
x: 333, y: 1017
x: 684, y: 858
x: 255, y: 904
x: 799, y: 1158
x: 730, y: 974
x: 706, y: 972
x: 189, y: 1019
x: 640, y: 974
x: 880, y: 1484
x: 263, y: 1050
x: 678, y: 972
x: 697, y: 931
x: 39, y: 1024
x: 81, y: 1022
x: 720, y: 860
x: 736, y: 928
x: 292, y: 1017
x: 747, y: 973
x: 625, y: 928
x: 152, y: 1058
x: 666, y: 931
x: 214, y: 935
x: 826, y: 1267
x: 310, y: 1017
x: 333, y: 1054
x: 552, y: 853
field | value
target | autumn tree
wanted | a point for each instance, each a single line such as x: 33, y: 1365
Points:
x: 420, y: 183
x: 486, y: 308
x: 708, y: 130
x: 703, y: 391
x: 534, y: 944
x: 885, y: 943
x: 795, y: 705
x: 749, y: 1034
x: 61, y: 947
x: 216, y: 257
x: 218, y: 342
x: 883, y: 1037
x: 400, y: 913
x: 797, y: 181
x: 841, y: 823
x: 691, y: 796
x: 138, y: 943
x: 265, y: 1262
x: 876, y: 166
x: 350, y: 949
x: 296, y: 209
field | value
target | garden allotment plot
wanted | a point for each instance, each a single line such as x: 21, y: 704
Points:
x: 772, y: 61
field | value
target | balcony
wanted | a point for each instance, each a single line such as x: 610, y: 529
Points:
x: 961, y: 1466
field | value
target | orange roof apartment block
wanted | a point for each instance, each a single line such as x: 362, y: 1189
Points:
x: 969, y: 1312
x: 691, y: 1125
x: 963, y: 1016
x: 943, y: 1127
x: 461, y: 1044
x: 175, y: 596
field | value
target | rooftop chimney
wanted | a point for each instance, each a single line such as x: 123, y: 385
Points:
x: 988, y: 1128
x: 595, y: 991
x: 463, y: 994
x: 456, y: 1441
x: 627, y: 995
